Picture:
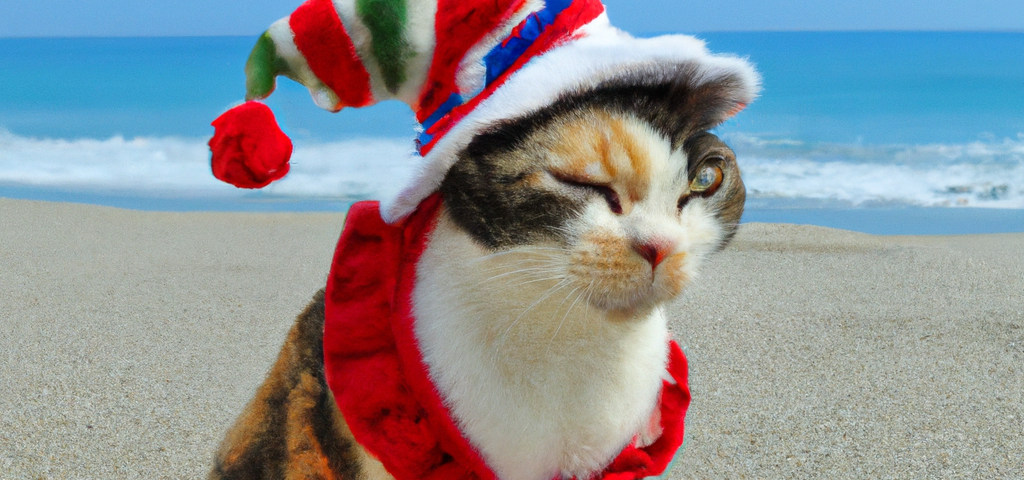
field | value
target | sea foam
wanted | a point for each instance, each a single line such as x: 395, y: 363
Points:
x: 172, y: 166
x: 978, y: 174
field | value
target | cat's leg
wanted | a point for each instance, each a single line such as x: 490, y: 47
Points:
x: 292, y: 429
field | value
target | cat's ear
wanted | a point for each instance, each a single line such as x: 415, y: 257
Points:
x: 683, y: 96
x: 713, y: 92
x: 703, y: 93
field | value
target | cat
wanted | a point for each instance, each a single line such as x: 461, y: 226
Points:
x: 540, y: 296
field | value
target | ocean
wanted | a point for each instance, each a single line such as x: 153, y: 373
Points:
x: 881, y: 132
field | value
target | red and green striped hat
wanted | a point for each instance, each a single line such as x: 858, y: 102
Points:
x: 461, y: 65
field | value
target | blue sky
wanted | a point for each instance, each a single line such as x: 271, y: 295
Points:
x: 20, y: 18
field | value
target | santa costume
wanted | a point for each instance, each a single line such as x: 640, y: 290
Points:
x: 462, y: 66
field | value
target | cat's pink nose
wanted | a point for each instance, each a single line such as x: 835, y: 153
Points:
x: 652, y: 252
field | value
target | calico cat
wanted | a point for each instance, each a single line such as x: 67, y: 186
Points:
x: 540, y: 295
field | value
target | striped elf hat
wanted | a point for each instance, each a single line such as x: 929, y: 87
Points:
x: 461, y: 65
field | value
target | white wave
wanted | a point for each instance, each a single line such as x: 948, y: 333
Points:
x: 355, y: 169
x: 980, y: 174
x: 859, y: 183
x: 977, y: 174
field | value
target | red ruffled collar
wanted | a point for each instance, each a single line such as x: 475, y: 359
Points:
x: 374, y: 368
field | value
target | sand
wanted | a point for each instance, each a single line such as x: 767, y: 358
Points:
x: 130, y: 340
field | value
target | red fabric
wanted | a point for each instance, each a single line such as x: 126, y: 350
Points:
x: 374, y: 366
x: 249, y: 149
x: 385, y: 393
x: 458, y: 26
x: 576, y: 15
x: 322, y: 39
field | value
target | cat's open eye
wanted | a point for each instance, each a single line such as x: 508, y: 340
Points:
x: 707, y: 180
x: 609, y: 194
x: 704, y: 184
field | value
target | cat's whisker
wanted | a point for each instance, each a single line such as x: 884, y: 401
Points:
x: 553, y: 262
x: 527, y: 276
x: 522, y: 271
x: 551, y: 267
x: 573, y: 305
x: 551, y: 291
x: 559, y: 307
x: 540, y: 251
x: 538, y: 280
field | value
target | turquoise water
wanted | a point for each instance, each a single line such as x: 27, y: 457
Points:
x: 868, y: 88
x: 848, y: 125
x: 100, y: 87
x: 884, y: 87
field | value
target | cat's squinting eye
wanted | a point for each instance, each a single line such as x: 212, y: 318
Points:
x: 609, y: 194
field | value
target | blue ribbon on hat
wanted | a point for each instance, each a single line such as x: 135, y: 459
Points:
x: 499, y: 60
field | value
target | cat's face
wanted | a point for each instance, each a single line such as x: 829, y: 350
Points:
x: 615, y: 204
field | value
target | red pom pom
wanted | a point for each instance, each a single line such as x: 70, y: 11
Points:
x: 249, y: 149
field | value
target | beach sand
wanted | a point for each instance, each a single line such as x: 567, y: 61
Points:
x: 130, y: 341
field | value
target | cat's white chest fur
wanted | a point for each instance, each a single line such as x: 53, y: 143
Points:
x: 541, y: 382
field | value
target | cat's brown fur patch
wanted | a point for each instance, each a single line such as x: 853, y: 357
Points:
x: 292, y: 429
x: 638, y: 181
x: 595, y: 138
